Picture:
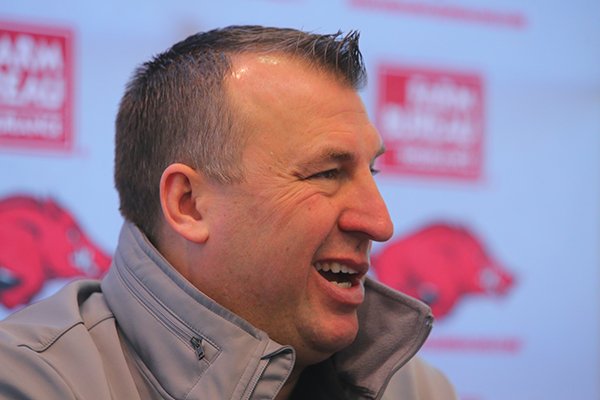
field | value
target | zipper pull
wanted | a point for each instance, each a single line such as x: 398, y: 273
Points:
x: 197, y: 345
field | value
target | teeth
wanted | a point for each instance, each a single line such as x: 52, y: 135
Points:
x: 345, y: 285
x: 335, y: 268
x: 347, y: 270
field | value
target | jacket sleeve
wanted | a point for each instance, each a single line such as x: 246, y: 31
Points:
x: 26, y: 376
x: 418, y: 380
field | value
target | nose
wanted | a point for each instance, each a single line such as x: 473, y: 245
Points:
x: 365, y: 211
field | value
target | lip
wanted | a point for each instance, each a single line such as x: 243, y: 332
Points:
x: 353, y: 296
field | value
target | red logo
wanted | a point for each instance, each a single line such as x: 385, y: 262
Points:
x: 36, y: 87
x: 440, y: 264
x: 431, y: 122
x: 39, y: 240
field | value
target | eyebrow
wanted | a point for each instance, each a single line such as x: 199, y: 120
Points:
x: 335, y: 155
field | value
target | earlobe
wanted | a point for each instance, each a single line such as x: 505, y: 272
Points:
x: 180, y: 197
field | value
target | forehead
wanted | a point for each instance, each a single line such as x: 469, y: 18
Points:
x: 273, y: 78
x: 283, y: 102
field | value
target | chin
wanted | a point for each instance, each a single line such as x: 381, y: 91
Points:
x: 333, y: 338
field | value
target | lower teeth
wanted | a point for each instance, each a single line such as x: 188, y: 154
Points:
x: 345, y: 285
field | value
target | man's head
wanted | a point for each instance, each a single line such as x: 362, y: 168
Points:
x: 175, y: 108
x: 271, y: 208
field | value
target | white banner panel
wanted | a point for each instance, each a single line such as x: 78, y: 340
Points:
x: 490, y: 112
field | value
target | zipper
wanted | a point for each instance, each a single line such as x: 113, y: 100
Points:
x: 169, y: 321
x: 197, y: 345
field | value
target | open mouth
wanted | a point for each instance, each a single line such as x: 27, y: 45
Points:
x: 338, y: 274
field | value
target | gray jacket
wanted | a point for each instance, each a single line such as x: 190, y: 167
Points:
x: 144, y: 332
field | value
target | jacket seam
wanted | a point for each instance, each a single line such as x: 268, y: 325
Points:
x: 99, y: 321
x: 46, y: 344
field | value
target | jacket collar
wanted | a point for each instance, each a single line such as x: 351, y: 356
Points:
x: 180, y: 335
x: 392, y: 329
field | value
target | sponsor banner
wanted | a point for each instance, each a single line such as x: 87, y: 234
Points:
x: 36, y: 87
x: 432, y: 122
x: 448, y: 10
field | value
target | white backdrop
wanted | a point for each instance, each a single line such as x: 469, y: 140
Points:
x: 527, y: 189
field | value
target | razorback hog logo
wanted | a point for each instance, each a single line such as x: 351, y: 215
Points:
x: 39, y: 240
x: 440, y: 264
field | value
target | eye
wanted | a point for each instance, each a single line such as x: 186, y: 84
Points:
x: 374, y: 171
x: 329, y: 174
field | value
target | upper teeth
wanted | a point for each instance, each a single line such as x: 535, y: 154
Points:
x: 335, y: 268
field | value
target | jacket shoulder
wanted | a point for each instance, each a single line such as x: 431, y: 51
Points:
x: 46, y: 347
x: 24, y: 375
x: 39, y: 325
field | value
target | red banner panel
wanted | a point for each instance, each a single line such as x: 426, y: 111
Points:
x: 455, y: 10
x: 36, y: 87
x: 432, y: 122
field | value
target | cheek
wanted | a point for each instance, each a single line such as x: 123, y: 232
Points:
x: 277, y: 204
x: 301, y: 227
x: 276, y: 239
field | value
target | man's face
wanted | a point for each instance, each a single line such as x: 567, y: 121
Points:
x: 289, y: 247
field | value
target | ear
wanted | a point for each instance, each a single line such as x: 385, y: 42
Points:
x: 181, y: 197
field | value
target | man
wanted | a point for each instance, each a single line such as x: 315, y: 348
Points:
x: 244, y: 164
